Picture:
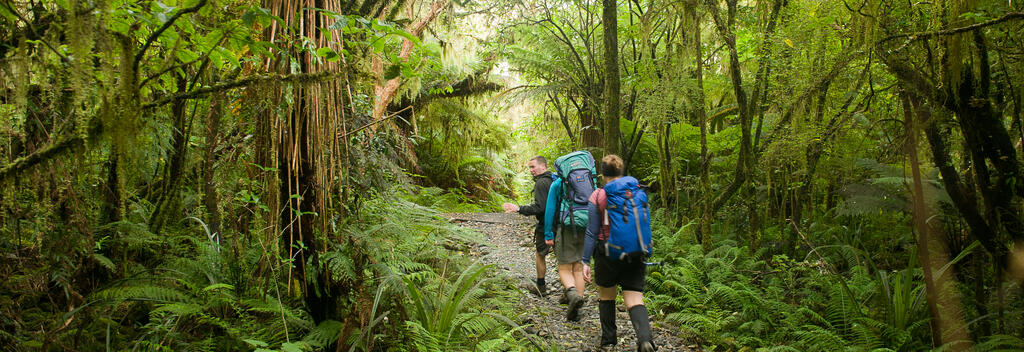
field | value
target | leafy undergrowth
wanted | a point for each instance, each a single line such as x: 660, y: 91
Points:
x: 455, y: 200
x: 204, y: 293
x: 732, y: 300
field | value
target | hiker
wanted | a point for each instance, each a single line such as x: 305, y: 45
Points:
x: 618, y: 236
x: 542, y: 182
x: 568, y: 196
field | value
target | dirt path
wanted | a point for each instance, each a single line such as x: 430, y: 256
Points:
x: 510, y: 249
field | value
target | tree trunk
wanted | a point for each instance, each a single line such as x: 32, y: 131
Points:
x: 943, y: 302
x: 590, y: 128
x: 701, y: 117
x: 965, y: 90
x: 113, y: 194
x: 387, y: 91
x: 744, y: 159
x: 665, y: 174
x: 920, y: 212
x: 563, y: 117
x: 306, y: 148
x: 966, y: 207
x: 611, y: 70
x: 169, y: 199
x: 210, y: 196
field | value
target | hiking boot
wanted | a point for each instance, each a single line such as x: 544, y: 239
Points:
x: 540, y: 291
x: 563, y: 299
x: 646, y: 346
x: 606, y: 348
x: 575, y: 303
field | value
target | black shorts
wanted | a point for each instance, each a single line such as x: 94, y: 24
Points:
x: 630, y: 275
x: 538, y: 240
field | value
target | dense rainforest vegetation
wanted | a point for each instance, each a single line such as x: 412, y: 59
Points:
x: 270, y: 174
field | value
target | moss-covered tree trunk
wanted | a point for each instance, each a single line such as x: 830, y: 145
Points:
x: 168, y: 201
x: 611, y: 70
x: 743, y: 162
x: 210, y: 195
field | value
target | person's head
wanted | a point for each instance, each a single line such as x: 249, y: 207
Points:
x: 612, y: 167
x: 538, y: 165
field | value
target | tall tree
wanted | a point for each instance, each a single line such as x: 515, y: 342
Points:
x: 959, y: 80
x: 744, y: 161
x: 610, y: 20
x: 304, y: 143
x: 388, y: 90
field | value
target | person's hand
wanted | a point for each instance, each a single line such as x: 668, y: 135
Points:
x: 510, y: 208
x: 586, y: 273
x: 549, y: 242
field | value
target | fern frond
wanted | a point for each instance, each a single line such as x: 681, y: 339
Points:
x: 816, y: 338
x: 142, y: 292
x: 323, y: 334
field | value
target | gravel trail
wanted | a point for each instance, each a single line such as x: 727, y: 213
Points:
x: 510, y: 249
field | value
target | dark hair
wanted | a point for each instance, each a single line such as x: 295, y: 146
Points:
x: 540, y: 160
x: 612, y: 166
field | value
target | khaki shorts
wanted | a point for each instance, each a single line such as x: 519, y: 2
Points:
x: 569, y: 245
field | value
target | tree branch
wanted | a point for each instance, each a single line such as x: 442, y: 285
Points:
x: 32, y: 28
x: 156, y: 34
x: 924, y: 35
x: 298, y: 77
x: 50, y: 151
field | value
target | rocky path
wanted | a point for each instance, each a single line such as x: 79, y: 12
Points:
x: 510, y: 249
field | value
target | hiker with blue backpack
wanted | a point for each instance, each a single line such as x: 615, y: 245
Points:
x: 565, y: 220
x: 618, y: 236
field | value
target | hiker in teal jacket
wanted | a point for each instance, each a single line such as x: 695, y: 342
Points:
x: 568, y: 248
x: 554, y: 195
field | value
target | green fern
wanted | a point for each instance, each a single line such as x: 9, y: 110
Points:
x: 446, y: 320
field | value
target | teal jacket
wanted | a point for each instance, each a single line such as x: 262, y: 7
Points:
x: 551, y: 207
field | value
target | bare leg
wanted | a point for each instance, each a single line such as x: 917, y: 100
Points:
x: 632, y: 298
x: 573, y: 281
x: 607, y: 293
x: 542, y: 267
x: 577, y: 274
x: 566, y: 275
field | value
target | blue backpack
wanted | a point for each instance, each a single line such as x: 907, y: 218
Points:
x: 629, y: 219
x: 577, y: 172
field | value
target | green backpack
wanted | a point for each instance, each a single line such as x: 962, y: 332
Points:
x: 577, y: 172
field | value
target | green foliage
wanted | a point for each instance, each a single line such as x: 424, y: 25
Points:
x: 446, y: 318
x: 464, y: 147
x: 814, y: 252
x: 732, y: 300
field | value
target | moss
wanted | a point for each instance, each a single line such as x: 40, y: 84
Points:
x: 80, y: 34
x: 21, y: 79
